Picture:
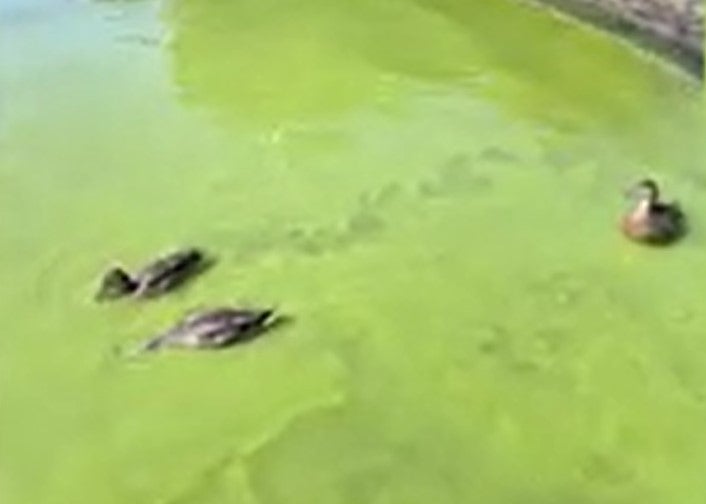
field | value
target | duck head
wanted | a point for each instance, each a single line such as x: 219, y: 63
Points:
x: 651, y: 220
x: 116, y: 283
x: 645, y: 190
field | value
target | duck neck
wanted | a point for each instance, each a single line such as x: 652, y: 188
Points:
x: 644, y: 207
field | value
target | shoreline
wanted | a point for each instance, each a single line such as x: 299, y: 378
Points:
x: 673, y: 29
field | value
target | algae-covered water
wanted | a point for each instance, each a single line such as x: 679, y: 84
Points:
x: 429, y: 188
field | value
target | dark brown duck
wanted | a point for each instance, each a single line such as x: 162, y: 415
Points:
x: 214, y: 328
x: 158, y: 277
x: 653, y: 221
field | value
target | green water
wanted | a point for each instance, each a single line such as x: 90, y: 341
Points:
x: 429, y: 187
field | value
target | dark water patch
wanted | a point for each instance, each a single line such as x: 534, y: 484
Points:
x: 226, y: 476
x: 493, y: 340
x: 345, y: 467
x: 522, y: 350
x: 311, y: 241
x: 559, y: 288
x: 350, y: 459
x: 690, y: 379
x: 383, y: 197
x: 560, y: 159
x: 252, y: 246
x: 359, y: 227
x: 567, y: 151
x: 498, y: 155
x: 363, y: 224
x: 607, y: 470
x: 458, y: 175
x: 363, y: 485
x: 205, y: 482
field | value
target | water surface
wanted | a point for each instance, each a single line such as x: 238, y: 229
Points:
x: 429, y: 187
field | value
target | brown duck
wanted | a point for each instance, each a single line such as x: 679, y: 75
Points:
x: 653, y: 221
x: 214, y: 328
x: 162, y: 275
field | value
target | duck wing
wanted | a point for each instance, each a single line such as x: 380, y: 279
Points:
x: 215, y: 328
x: 167, y: 272
x: 213, y: 315
x: 225, y: 326
x: 668, y: 220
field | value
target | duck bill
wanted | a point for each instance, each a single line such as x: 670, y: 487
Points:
x: 266, y: 317
x: 152, y: 345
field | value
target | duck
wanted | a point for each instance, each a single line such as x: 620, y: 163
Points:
x: 652, y: 221
x: 158, y: 277
x: 213, y: 328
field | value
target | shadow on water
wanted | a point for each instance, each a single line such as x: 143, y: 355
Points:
x: 263, y: 61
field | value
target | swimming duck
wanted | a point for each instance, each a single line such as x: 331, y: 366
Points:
x: 214, y: 328
x: 158, y: 277
x: 651, y: 220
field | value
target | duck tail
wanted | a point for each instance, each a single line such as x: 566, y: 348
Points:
x: 151, y: 345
